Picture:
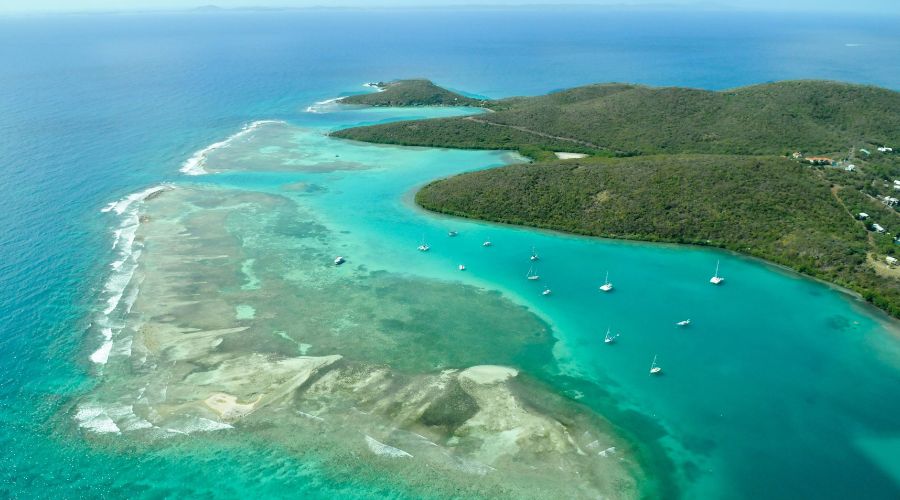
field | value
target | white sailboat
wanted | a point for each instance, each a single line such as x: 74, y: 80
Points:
x: 462, y: 267
x: 684, y: 323
x: 339, y: 260
x: 546, y: 292
x: 486, y: 243
x: 532, y: 275
x: 716, y: 279
x: 653, y: 368
x: 424, y: 246
x: 534, y: 255
x: 610, y: 338
x: 606, y: 286
x: 452, y: 233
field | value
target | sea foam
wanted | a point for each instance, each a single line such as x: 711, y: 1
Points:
x: 374, y: 86
x: 329, y: 105
x: 123, y: 267
x: 93, y: 417
x: 324, y: 106
x: 195, y: 165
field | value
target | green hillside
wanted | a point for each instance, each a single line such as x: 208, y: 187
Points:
x: 768, y: 207
x: 810, y: 116
x: 694, y: 166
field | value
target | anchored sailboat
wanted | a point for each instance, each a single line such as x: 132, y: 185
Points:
x: 546, y: 292
x: 684, y: 323
x: 532, y: 275
x: 716, y: 279
x: 653, y: 368
x: 424, y: 246
x: 610, y: 338
x: 534, y: 255
x: 606, y: 286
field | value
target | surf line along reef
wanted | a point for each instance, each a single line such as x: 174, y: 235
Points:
x: 225, y: 313
x: 796, y: 172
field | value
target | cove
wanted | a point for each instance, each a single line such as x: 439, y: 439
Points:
x: 777, y: 377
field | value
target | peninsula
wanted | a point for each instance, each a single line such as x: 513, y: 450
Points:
x: 800, y: 173
x: 410, y: 93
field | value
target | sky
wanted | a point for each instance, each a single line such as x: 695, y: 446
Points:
x: 861, y: 6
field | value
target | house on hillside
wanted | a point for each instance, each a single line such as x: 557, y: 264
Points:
x: 863, y: 150
x: 890, y: 260
x: 797, y: 155
x: 877, y: 227
x: 885, y: 149
x: 820, y: 160
x: 889, y: 201
x: 862, y: 216
x: 850, y: 168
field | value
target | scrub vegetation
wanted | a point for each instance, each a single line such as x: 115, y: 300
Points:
x: 728, y: 169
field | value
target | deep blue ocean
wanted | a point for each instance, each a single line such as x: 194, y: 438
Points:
x: 93, y: 107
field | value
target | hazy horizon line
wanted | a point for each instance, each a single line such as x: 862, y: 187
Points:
x: 212, y: 8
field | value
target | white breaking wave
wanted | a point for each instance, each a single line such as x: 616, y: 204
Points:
x: 200, y: 424
x: 329, y: 105
x: 110, y: 419
x: 196, y: 163
x: 384, y: 450
x: 101, y: 355
x: 120, y: 206
x: 373, y: 86
x: 123, y: 267
x: 324, y: 106
x: 93, y: 417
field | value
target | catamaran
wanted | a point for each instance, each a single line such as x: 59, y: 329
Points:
x: 532, y: 275
x: 610, y: 338
x: 653, y: 368
x: 684, y: 322
x: 534, y: 255
x: 606, y: 286
x: 716, y: 279
x: 424, y: 246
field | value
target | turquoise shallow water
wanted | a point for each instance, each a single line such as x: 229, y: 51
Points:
x: 758, y: 385
x: 778, y: 377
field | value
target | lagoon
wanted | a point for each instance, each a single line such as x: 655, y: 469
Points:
x: 777, y: 376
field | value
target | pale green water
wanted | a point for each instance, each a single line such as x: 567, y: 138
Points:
x: 778, y: 377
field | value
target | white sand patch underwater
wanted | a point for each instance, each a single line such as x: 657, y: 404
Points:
x: 243, y: 311
x: 385, y: 450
